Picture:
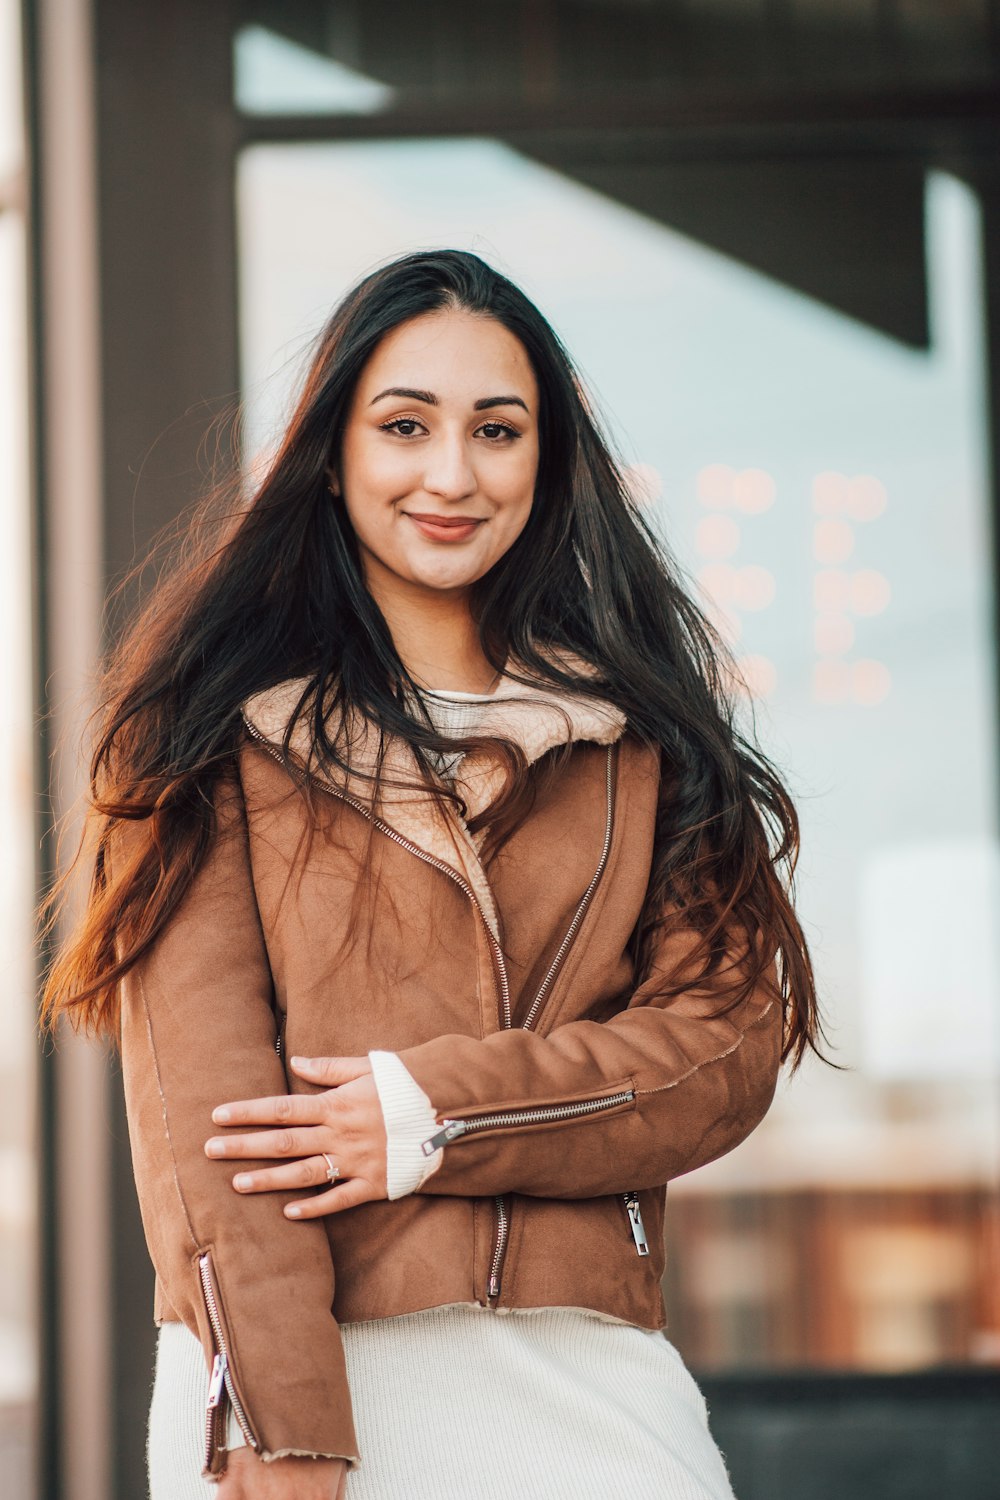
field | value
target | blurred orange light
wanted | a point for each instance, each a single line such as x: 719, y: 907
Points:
x: 753, y: 491
x: 717, y: 536
x: 870, y: 681
x: 866, y: 498
x: 870, y: 592
x: 833, y: 540
x: 755, y: 587
x: 759, y: 674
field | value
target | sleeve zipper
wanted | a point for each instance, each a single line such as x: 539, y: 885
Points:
x: 220, y: 1383
x: 451, y: 1129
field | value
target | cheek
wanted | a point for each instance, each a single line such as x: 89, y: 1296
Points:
x: 376, y: 470
x: 374, y: 476
x: 513, y: 488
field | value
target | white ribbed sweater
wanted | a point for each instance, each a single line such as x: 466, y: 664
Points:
x: 464, y: 1402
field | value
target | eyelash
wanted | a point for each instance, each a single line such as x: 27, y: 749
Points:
x: 506, y: 429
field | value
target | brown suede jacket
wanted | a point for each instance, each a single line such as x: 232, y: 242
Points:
x: 568, y: 1091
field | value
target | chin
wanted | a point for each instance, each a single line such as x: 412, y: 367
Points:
x: 445, y: 573
x: 444, y: 581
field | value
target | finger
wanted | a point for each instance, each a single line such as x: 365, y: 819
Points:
x: 305, y: 1142
x: 329, y: 1070
x: 311, y: 1171
x: 282, y: 1109
x: 347, y: 1195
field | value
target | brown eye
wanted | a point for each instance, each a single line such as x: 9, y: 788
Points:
x: 405, y: 427
x: 498, y: 431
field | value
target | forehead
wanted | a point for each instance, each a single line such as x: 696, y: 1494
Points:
x: 457, y: 355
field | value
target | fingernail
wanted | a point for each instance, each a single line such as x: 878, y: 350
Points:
x: 215, y: 1148
x: 301, y: 1062
x: 221, y: 1115
x: 243, y: 1181
x: 293, y: 1211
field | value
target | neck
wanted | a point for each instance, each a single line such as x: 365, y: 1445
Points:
x: 436, y: 636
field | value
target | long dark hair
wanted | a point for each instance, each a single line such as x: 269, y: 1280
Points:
x: 275, y: 590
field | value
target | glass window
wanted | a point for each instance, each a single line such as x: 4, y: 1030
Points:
x: 824, y: 487
x: 274, y: 75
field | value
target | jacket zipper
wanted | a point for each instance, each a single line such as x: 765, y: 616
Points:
x: 631, y: 1201
x: 514, y: 1117
x: 499, y: 1249
x: 500, y: 966
x: 452, y: 1129
x: 221, y: 1379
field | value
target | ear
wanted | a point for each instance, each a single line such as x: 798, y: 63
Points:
x: 332, y: 482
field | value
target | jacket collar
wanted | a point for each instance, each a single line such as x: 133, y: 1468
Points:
x: 536, y: 718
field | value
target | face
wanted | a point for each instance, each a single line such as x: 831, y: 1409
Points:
x: 440, y: 452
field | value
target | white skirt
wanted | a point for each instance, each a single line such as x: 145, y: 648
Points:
x: 464, y: 1403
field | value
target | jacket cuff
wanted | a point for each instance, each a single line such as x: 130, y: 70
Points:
x: 409, y: 1120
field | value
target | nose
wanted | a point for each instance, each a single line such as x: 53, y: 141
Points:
x: 449, y: 472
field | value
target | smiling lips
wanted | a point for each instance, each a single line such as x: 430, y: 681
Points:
x: 445, y: 528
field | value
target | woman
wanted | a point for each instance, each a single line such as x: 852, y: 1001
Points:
x: 434, y: 900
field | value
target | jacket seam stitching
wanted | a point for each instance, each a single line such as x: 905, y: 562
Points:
x: 591, y: 922
x: 252, y: 888
x: 718, y: 1056
x: 166, y: 1123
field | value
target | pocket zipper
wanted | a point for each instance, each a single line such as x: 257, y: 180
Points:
x: 221, y: 1379
x: 638, y: 1228
x: 451, y: 1129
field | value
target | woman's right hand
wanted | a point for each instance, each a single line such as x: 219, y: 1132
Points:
x: 248, y: 1478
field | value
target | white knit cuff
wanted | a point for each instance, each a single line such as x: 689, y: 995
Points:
x: 234, y: 1432
x: 409, y: 1120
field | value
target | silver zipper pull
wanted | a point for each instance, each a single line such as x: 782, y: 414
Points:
x: 217, y: 1383
x: 635, y: 1223
x: 449, y: 1130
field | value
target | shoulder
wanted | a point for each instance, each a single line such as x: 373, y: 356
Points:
x: 269, y: 713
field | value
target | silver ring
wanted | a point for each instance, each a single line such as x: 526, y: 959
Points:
x: 332, y: 1171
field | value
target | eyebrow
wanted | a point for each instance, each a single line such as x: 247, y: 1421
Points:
x: 428, y: 397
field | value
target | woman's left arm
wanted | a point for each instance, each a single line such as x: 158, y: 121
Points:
x: 673, y: 1080
x: 664, y: 1086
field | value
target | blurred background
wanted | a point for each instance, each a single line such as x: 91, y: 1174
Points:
x: 769, y: 231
